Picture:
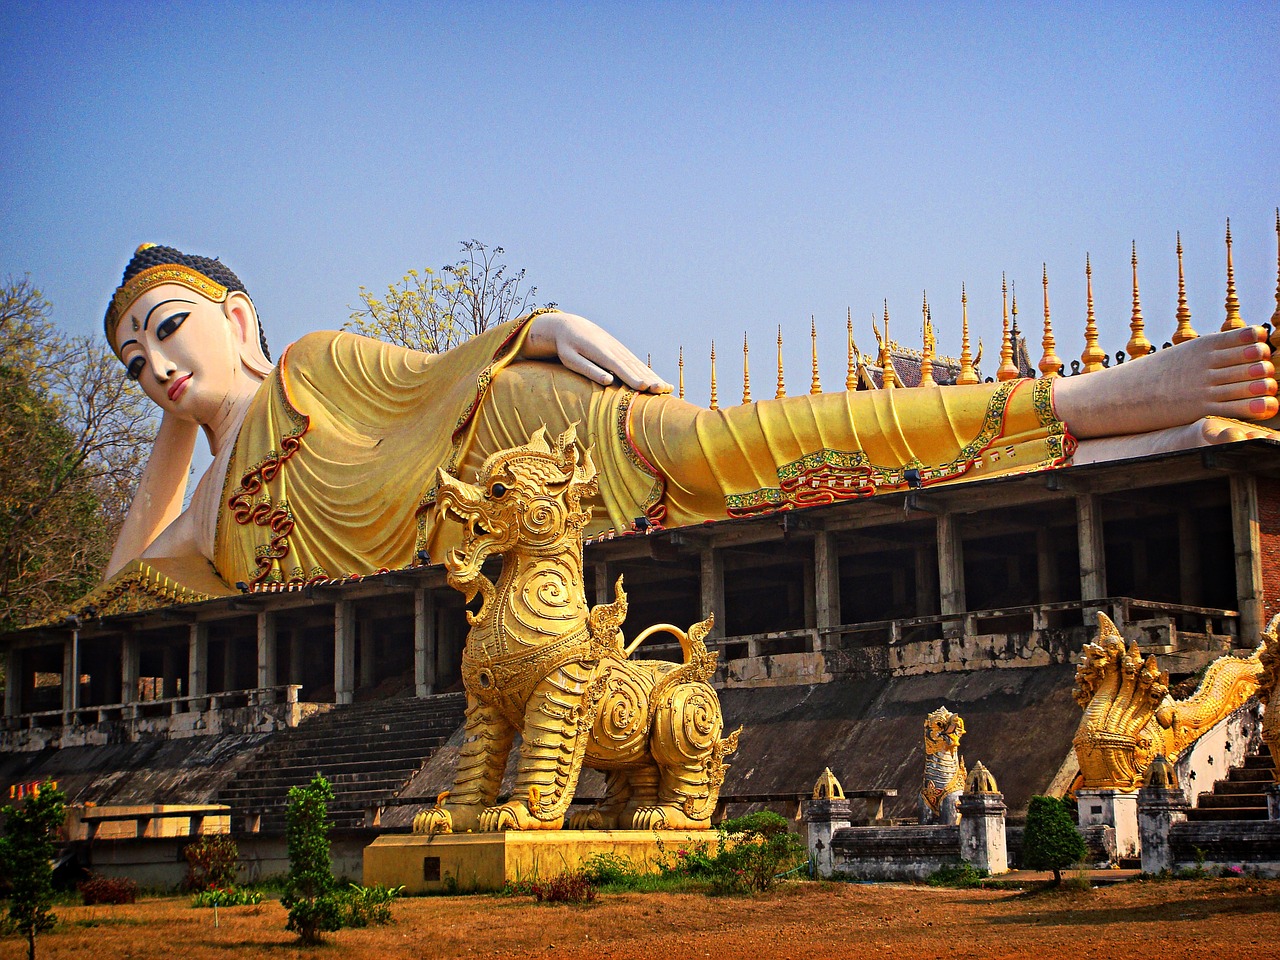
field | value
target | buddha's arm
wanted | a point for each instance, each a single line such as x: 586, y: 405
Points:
x: 161, y: 489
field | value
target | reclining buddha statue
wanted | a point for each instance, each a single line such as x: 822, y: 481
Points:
x: 325, y: 463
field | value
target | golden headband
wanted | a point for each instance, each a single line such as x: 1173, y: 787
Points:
x: 128, y: 293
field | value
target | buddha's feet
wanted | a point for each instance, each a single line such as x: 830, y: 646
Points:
x: 1224, y: 375
x: 1205, y: 432
x: 665, y: 816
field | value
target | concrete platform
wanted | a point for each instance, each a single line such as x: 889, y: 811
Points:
x: 488, y: 861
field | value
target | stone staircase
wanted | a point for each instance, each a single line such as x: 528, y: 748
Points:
x: 1240, y: 796
x: 366, y: 751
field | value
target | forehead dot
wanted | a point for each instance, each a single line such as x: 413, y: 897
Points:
x: 135, y: 324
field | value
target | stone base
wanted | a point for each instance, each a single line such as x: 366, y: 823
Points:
x: 468, y: 862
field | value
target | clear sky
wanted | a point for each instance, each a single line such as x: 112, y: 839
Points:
x: 675, y: 171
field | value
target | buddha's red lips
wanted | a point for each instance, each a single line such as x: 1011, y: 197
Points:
x: 176, y: 390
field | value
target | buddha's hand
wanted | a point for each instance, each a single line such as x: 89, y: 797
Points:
x: 586, y: 349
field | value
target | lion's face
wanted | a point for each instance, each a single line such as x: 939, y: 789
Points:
x: 942, y: 732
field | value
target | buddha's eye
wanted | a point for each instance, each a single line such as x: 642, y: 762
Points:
x: 133, y: 369
x: 170, y: 325
x: 498, y: 491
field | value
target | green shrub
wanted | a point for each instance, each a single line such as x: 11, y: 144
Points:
x: 960, y: 875
x: 98, y: 889
x: 368, y: 906
x: 760, y: 849
x: 226, y: 897
x: 211, y: 863
x: 314, y: 907
x: 611, y: 870
x: 1051, y: 841
x: 27, y: 850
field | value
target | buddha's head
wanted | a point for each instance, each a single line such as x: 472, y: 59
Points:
x: 186, y: 330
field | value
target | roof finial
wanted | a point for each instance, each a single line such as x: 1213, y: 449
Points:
x: 888, y: 376
x: 926, y: 355
x: 1275, y: 317
x: 713, y: 405
x: 1091, y: 359
x: 851, y: 353
x: 1050, y: 363
x: 1234, y: 320
x: 782, y: 386
x: 1138, y: 345
x: 967, y: 373
x: 815, y: 385
x: 1007, y: 370
x: 746, y: 371
x: 681, y: 365
x: 1184, y: 331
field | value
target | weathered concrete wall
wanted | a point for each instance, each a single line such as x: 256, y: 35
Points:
x: 1224, y: 746
x: 893, y: 853
x: 1253, y: 845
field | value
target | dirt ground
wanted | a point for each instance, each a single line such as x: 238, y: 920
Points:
x: 1226, y: 919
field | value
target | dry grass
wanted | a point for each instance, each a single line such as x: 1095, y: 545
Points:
x: 1170, y: 920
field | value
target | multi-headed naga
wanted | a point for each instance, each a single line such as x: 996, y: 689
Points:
x: 539, y: 663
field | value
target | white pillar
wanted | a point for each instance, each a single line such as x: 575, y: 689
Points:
x: 344, y: 651
x: 951, y: 597
x: 982, y: 835
x: 198, y: 659
x: 425, y: 641
x: 1093, y: 555
x: 1248, y: 549
x: 71, y: 672
x: 267, y: 644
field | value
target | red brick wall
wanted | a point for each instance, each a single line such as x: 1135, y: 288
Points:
x: 1269, y: 530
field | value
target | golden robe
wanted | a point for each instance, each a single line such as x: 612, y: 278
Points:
x: 334, y: 469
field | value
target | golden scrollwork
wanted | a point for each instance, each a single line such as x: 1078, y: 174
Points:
x: 1129, y: 717
x: 540, y: 663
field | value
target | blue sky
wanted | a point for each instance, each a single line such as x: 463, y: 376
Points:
x: 676, y: 172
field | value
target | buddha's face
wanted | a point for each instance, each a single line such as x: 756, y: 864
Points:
x: 186, y: 350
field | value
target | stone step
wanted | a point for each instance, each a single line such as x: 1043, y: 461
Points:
x: 1227, y: 813
x: 1236, y: 787
x: 1216, y: 801
x: 1250, y: 775
x: 1259, y: 761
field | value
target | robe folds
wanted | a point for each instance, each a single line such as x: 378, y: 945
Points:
x: 334, y: 468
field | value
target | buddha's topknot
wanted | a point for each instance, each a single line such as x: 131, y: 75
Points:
x: 155, y: 255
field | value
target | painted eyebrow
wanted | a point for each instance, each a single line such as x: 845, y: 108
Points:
x: 126, y: 343
x: 158, y: 306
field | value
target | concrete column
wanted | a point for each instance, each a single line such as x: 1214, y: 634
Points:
x: 926, y: 581
x: 198, y: 660
x: 1046, y: 567
x: 823, y: 818
x: 1189, y: 590
x: 12, y: 682
x: 713, y: 587
x: 425, y: 641
x: 368, y: 653
x: 344, y: 651
x: 1159, y: 808
x: 1248, y: 548
x: 826, y: 580
x: 1112, y: 808
x: 267, y: 645
x: 71, y: 672
x: 128, y: 668
x: 1093, y: 556
x: 950, y: 565
x: 982, y: 837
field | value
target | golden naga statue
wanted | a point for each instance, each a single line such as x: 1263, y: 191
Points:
x: 1269, y: 690
x: 944, y: 770
x: 538, y: 662
x: 1129, y: 717
x: 324, y: 462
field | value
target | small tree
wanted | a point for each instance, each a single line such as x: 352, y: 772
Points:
x: 314, y: 906
x: 26, y: 853
x: 212, y: 863
x: 1051, y: 841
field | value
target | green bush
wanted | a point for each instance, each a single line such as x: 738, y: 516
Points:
x: 211, y: 863
x: 368, y: 906
x: 226, y: 897
x: 960, y: 875
x: 314, y: 907
x: 26, y: 852
x: 611, y: 870
x: 1051, y: 841
x: 760, y: 848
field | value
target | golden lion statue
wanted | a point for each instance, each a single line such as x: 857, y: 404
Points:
x: 944, y: 770
x: 537, y: 662
x: 1129, y: 717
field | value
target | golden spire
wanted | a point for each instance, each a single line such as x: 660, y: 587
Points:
x: 1233, y: 321
x: 782, y: 387
x: 1138, y: 345
x: 1050, y: 362
x: 1184, y: 332
x: 681, y: 372
x: 815, y: 385
x: 851, y: 350
x: 746, y: 372
x: 1275, y: 317
x: 714, y: 405
x: 888, y: 377
x: 1091, y: 359
x: 926, y: 355
x: 967, y: 373
x: 1007, y: 370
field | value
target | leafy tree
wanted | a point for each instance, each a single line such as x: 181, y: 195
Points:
x: 1051, y: 841
x: 72, y: 437
x: 433, y: 311
x: 26, y: 852
x: 310, y: 896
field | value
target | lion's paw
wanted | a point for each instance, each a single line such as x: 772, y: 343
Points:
x: 433, y: 821
x: 665, y: 816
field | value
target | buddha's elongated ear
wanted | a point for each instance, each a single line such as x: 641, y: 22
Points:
x: 244, y: 321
